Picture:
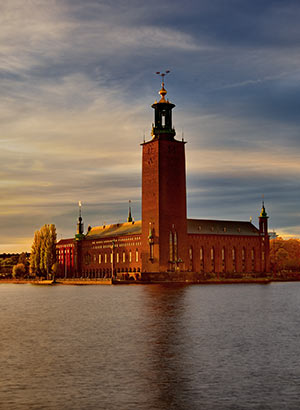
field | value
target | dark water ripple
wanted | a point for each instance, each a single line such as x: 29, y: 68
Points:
x: 150, y: 347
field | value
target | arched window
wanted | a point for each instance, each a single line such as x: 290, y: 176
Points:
x: 201, y: 254
x: 175, y: 247
x: 191, y: 253
x: 130, y: 256
x: 136, y: 255
x: 234, y: 259
x: 244, y: 259
x: 124, y: 257
x: 223, y: 259
x: 253, y: 259
x: 171, y: 250
x: 212, y: 258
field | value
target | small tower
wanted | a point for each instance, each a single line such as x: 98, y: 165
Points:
x: 80, y: 229
x: 162, y: 127
x: 263, y: 220
x: 265, y: 243
x: 129, y: 219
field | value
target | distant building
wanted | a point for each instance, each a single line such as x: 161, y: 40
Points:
x: 165, y: 240
x: 273, y: 235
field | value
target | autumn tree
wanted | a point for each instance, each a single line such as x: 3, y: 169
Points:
x: 18, y: 270
x: 285, y: 255
x: 43, y: 250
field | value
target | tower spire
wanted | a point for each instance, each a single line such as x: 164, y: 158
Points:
x: 79, y: 223
x: 129, y: 219
x: 163, y: 91
x: 162, y: 127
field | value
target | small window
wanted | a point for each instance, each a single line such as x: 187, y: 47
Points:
x: 223, y: 254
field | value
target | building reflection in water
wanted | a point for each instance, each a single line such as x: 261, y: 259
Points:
x: 171, y: 377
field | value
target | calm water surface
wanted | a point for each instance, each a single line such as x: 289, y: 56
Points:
x: 150, y: 347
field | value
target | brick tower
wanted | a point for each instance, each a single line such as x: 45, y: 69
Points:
x: 164, y: 223
x: 265, y: 243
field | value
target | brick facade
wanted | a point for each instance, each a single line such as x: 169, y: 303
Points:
x: 165, y: 240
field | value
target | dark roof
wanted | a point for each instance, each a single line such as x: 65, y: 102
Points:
x: 105, y: 231
x: 214, y: 227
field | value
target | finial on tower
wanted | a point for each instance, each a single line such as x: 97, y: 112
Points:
x: 163, y: 91
x: 79, y: 232
x: 79, y: 204
x: 129, y: 219
x: 263, y: 213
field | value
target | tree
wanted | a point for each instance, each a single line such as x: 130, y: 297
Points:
x: 285, y: 254
x: 43, y: 251
x: 18, y: 270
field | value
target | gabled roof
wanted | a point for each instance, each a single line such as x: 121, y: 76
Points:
x: 215, y: 227
x: 126, y: 228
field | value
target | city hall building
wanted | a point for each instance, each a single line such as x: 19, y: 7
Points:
x: 165, y: 241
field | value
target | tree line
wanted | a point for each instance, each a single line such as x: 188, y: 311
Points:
x: 285, y: 255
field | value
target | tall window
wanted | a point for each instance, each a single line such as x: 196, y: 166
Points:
x: 223, y: 259
x: 130, y: 256
x: 100, y: 258
x: 117, y: 258
x: 136, y: 255
x: 244, y: 258
x: 105, y: 258
x: 212, y: 257
x: 111, y: 257
x: 171, y: 254
x: 151, y: 251
x: 124, y: 257
x: 253, y: 259
x: 175, y: 247
x: 234, y: 259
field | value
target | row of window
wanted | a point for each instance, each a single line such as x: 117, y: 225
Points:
x: 223, y: 252
x: 104, y: 258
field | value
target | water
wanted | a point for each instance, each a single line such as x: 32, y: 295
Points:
x: 150, y: 347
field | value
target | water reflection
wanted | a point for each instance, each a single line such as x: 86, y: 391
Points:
x: 150, y: 347
x: 165, y: 313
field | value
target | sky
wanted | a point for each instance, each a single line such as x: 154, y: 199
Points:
x: 77, y: 80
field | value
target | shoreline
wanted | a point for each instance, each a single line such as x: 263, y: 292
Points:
x: 109, y: 281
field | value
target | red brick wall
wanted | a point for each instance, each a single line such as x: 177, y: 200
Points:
x: 163, y: 201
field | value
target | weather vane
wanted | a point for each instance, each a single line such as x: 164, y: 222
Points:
x: 162, y: 75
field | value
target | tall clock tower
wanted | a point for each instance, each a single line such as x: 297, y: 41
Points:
x: 164, y: 223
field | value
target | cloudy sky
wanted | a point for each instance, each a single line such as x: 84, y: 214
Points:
x: 77, y: 80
